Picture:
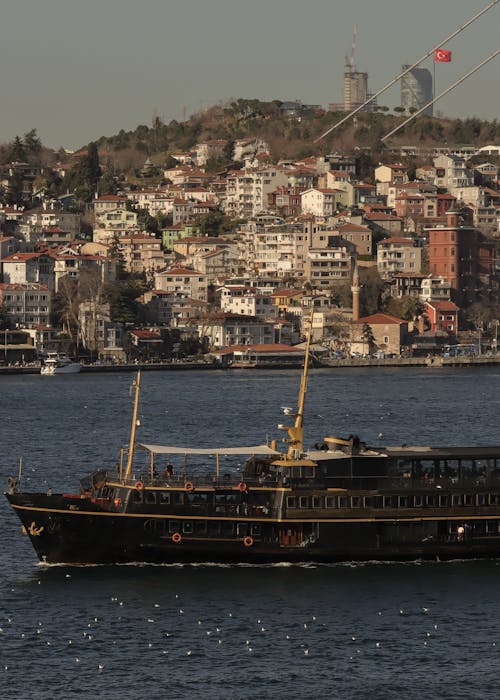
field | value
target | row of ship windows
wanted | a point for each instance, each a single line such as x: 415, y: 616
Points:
x: 201, y: 527
x: 444, y: 500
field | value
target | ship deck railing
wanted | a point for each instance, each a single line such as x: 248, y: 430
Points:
x: 191, y: 482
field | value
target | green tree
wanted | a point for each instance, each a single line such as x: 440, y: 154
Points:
x: 17, y: 151
x: 32, y: 143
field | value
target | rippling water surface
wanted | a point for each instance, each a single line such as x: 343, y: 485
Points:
x: 349, y: 631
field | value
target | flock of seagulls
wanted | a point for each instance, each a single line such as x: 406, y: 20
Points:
x: 173, y: 627
x: 173, y: 635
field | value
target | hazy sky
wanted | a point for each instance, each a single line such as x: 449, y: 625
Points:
x: 79, y: 70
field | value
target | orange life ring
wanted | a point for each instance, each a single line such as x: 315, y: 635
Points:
x: 177, y: 537
x: 189, y: 486
x: 248, y: 541
x: 139, y: 485
x: 242, y: 486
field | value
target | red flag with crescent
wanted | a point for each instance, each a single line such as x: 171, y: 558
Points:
x: 442, y: 56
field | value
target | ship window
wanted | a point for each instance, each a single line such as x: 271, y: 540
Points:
x: 175, y: 497
x: 304, y: 502
x: 150, y: 498
x: 403, y: 501
x: 492, y: 526
x: 481, y: 498
x: 317, y: 502
x: 417, y: 501
x: 187, y: 527
x: 173, y: 526
x: 164, y: 498
x: 227, y: 529
x: 378, y: 501
x: 356, y: 502
x: 456, y: 500
x: 444, y: 500
x: 429, y: 501
x: 468, y: 499
x: 200, y: 527
x: 255, y: 530
x: 290, y: 502
x: 296, y: 472
x: 214, y: 528
x: 307, y: 472
x: 343, y: 502
x: 242, y: 529
x: 331, y: 501
x: 494, y: 499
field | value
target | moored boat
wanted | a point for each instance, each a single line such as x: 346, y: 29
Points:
x: 341, y: 500
x: 56, y: 363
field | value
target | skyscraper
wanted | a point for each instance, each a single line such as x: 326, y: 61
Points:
x: 416, y: 89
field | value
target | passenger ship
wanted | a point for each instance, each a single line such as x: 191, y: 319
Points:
x: 341, y: 501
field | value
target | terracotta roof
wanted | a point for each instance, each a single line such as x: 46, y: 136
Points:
x: 443, y: 305
x: 20, y: 257
x: 181, y: 271
x: 398, y: 240
x: 380, y: 318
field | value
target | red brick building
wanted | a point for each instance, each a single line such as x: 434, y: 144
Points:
x: 442, y: 315
x: 462, y: 256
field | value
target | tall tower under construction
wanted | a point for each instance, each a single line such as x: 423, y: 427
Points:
x: 416, y: 90
x: 355, y: 84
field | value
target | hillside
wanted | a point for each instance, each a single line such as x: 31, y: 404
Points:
x: 290, y: 136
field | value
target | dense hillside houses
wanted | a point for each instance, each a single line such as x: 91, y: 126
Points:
x: 222, y: 244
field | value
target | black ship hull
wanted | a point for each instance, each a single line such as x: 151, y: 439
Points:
x: 88, y: 533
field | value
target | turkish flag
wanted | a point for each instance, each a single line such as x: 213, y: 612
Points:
x: 442, y: 56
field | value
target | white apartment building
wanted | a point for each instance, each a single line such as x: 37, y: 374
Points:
x: 183, y: 282
x: 206, y: 150
x: 233, y: 329
x: 26, y: 304
x: 153, y: 201
x: 247, y: 190
x: 248, y: 302
x: 114, y: 223
x: 277, y: 250
x: 451, y: 172
x: 396, y: 255
x: 327, y: 267
x: 321, y: 202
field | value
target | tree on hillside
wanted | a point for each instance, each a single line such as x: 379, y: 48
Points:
x: 215, y: 223
x: 17, y: 151
x: 32, y: 143
x: 371, y: 292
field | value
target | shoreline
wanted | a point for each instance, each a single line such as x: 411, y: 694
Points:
x: 487, y: 360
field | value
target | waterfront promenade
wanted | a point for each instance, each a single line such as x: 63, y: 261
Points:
x: 431, y: 362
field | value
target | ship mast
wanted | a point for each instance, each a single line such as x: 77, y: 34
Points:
x: 137, y: 386
x: 296, y: 431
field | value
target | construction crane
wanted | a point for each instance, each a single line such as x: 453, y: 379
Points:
x: 408, y: 69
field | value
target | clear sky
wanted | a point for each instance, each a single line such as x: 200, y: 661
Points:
x: 79, y: 70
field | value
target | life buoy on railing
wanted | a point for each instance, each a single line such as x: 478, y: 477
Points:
x: 177, y: 537
x: 189, y: 486
x: 242, y: 486
x: 139, y: 485
x: 248, y: 541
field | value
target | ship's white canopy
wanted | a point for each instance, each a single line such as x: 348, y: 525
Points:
x: 169, y: 449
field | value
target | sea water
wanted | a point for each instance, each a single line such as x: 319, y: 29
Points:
x: 378, y: 631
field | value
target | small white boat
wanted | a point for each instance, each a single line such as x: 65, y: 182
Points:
x: 59, y: 364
